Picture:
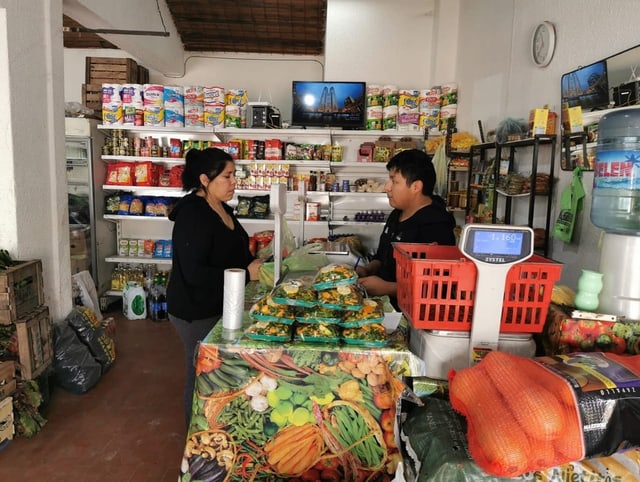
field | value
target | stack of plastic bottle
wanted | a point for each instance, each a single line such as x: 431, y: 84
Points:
x: 158, y: 297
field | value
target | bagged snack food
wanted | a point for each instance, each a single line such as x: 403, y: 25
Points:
x: 372, y: 335
x: 295, y: 293
x: 265, y: 331
x: 343, y: 297
x: 265, y: 309
x: 319, y: 315
x: 318, y: 333
x: 333, y: 275
x: 243, y: 209
x: 372, y: 312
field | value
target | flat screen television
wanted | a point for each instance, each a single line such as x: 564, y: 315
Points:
x: 587, y: 87
x: 328, y: 104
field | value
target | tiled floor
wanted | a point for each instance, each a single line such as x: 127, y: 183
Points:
x: 129, y: 427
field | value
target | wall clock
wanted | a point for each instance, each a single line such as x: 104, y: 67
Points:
x: 543, y: 43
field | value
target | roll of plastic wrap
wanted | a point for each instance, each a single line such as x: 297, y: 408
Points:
x: 233, y: 299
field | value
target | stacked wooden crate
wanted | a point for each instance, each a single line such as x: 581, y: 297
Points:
x: 25, y: 317
x: 109, y: 70
x: 22, y: 305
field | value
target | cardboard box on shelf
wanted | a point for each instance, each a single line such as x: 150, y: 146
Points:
x: 538, y: 121
x: 572, y: 119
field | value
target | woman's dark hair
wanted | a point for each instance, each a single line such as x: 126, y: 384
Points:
x: 415, y: 165
x: 210, y: 161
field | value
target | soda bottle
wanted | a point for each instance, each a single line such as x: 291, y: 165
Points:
x: 153, y: 303
x: 162, y: 304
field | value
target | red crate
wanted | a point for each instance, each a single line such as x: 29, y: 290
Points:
x: 436, y: 289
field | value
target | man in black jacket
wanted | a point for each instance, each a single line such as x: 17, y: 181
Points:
x: 419, y: 216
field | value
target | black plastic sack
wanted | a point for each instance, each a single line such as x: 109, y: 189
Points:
x: 87, y: 326
x: 74, y: 366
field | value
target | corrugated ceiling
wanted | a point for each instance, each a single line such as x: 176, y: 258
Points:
x: 288, y: 27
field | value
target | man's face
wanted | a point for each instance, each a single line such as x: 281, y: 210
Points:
x: 398, y: 192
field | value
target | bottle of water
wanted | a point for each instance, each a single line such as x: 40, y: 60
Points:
x: 615, y: 203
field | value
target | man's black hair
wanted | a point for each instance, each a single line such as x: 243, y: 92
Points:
x: 415, y: 165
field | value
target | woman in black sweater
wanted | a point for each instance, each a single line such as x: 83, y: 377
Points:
x: 207, y: 239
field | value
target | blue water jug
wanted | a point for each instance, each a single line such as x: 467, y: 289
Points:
x: 615, y: 202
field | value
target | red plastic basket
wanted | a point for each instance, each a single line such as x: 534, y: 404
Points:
x: 436, y: 289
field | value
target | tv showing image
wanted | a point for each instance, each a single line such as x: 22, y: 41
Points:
x: 587, y: 87
x: 328, y: 104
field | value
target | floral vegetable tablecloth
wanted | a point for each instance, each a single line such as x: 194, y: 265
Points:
x: 267, y: 411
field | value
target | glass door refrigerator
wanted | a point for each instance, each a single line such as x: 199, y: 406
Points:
x: 90, y: 236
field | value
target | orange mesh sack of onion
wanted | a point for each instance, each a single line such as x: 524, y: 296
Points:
x: 527, y: 415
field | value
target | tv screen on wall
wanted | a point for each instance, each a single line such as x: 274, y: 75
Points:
x: 587, y: 87
x: 328, y: 104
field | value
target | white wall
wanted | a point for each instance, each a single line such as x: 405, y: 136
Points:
x: 498, y: 80
x: 33, y: 200
x: 380, y: 42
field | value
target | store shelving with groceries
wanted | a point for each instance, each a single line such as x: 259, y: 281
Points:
x: 335, y: 182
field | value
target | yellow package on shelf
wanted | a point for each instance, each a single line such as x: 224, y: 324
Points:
x: 538, y: 121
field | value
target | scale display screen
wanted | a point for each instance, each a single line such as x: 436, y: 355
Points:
x: 497, y: 245
x: 498, y: 242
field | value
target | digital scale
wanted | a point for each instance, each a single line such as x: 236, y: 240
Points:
x: 494, y: 249
x: 336, y: 252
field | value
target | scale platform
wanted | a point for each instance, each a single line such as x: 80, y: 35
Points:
x: 446, y: 350
x: 336, y: 252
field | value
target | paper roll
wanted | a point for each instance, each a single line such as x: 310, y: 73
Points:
x: 233, y: 299
x: 153, y: 95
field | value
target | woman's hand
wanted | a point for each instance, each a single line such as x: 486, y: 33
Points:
x: 376, y: 286
x: 369, y: 269
x: 254, y: 269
